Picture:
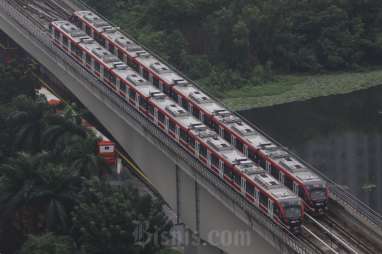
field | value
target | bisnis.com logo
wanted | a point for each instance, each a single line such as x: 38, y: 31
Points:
x: 179, y: 236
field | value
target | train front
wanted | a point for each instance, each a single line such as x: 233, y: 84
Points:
x: 293, y: 213
x: 317, y: 197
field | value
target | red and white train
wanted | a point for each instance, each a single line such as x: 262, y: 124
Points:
x: 275, y: 159
x: 105, y: 147
x: 226, y: 162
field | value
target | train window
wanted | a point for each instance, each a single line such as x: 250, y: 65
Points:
x: 106, y: 74
x: 184, y: 136
x: 155, y: 82
x: 207, y: 120
x: 113, y: 79
x: 195, y: 112
x: 214, y: 160
x: 262, y: 163
x: 191, y: 141
x: 203, y: 151
x: 250, y: 189
x: 135, y: 66
x: 88, y: 30
x: 88, y: 59
x: 76, y: 50
x: 56, y: 34
x: 151, y: 109
x: 166, y: 89
x: 97, y: 66
x: 122, y: 87
x: 101, y: 41
x: 142, y: 102
x: 227, y: 171
x: 274, y: 172
x: 239, y: 145
x: 214, y: 126
x: 160, y: 117
x: 288, y: 182
x: 132, y: 94
x: 65, y: 41
x: 120, y: 54
x: 253, y: 156
x: 227, y: 136
x: 111, y: 47
x: 129, y: 62
x: 276, y: 210
x: 172, y: 126
x: 145, y: 73
x: 236, y: 177
x: 185, y: 104
x: 263, y: 199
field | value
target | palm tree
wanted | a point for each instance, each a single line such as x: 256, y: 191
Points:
x: 28, y: 122
x: 17, y: 180
x: 82, y: 156
x: 61, y: 131
x: 56, y: 191
x: 36, y: 194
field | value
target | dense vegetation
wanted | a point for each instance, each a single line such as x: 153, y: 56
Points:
x: 55, y: 197
x: 230, y: 44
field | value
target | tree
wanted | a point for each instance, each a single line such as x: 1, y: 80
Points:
x: 48, y: 244
x: 106, y: 219
x: 35, y: 194
x: 28, y: 122
x: 16, y: 79
x: 81, y: 155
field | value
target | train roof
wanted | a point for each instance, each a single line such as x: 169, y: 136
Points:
x: 274, y: 186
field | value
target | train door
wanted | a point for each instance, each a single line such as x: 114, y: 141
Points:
x: 233, y: 140
x: 137, y: 100
x: 118, y: 85
x: 268, y: 166
x: 177, y: 133
x: 208, y: 159
x: 221, y: 131
x: 221, y: 168
x: 281, y: 177
x: 270, y: 207
x: 166, y: 122
x: 197, y: 145
x: 295, y: 187
x: 201, y: 116
x: 245, y: 150
x: 190, y: 108
x: 156, y: 116
x: 102, y: 72
x: 257, y: 197
x: 243, y: 185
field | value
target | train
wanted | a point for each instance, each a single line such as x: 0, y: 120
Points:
x: 105, y: 147
x: 239, y: 173
x: 274, y: 158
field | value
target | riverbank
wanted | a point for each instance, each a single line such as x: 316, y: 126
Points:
x: 289, y: 88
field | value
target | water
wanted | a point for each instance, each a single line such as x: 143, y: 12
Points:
x: 340, y: 135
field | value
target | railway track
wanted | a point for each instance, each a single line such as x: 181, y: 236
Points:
x: 322, y: 235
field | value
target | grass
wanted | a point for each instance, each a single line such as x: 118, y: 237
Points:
x: 289, y: 88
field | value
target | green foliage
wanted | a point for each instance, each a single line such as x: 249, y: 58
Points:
x: 16, y: 79
x: 106, y: 218
x: 200, y: 37
x: 48, y: 244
